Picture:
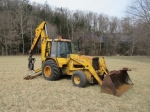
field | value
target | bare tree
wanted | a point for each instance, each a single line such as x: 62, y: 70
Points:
x: 102, y: 27
x: 7, y: 34
x: 140, y: 9
x: 20, y: 19
x: 113, y: 32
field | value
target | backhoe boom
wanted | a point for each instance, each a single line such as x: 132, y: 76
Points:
x: 40, y: 33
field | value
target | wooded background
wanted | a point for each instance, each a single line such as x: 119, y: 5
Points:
x: 101, y: 34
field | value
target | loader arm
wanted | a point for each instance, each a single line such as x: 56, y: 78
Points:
x: 40, y: 33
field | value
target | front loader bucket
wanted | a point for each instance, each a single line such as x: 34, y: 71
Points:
x: 117, y: 82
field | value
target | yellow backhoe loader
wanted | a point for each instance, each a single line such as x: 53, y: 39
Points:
x: 59, y: 57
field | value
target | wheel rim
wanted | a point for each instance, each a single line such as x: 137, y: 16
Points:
x: 47, y: 71
x: 76, y: 79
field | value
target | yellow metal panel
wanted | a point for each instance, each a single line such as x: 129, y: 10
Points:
x: 62, y: 61
x: 102, y: 65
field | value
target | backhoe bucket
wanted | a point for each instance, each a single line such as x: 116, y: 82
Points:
x: 29, y: 77
x: 117, y: 82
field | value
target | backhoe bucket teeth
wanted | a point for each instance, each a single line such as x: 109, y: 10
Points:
x: 117, y: 82
x: 34, y: 74
x: 29, y: 77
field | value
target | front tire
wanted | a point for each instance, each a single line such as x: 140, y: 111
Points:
x: 79, y: 79
x: 50, y: 70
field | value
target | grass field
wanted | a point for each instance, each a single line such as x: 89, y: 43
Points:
x: 39, y: 95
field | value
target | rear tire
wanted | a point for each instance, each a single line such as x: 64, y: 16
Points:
x: 50, y: 70
x: 79, y: 79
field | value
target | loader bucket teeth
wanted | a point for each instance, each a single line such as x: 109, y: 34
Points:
x: 116, y: 82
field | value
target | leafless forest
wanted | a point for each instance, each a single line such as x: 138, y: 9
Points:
x: 101, y: 34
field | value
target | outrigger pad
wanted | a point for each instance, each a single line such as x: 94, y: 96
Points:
x: 117, y: 82
x: 29, y: 77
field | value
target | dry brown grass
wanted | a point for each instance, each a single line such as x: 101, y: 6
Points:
x: 18, y: 95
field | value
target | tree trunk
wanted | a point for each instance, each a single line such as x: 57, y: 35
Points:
x: 6, y: 50
x: 60, y: 29
x: 10, y: 50
x: 31, y: 33
x: 68, y: 30
x: 132, y: 49
x: 2, y: 51
x: 22, y: 35
x: 72, y: 32
x: 100, y: 47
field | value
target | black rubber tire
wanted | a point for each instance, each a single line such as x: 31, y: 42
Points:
x: 55, y: 72
x: 82, y: 77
